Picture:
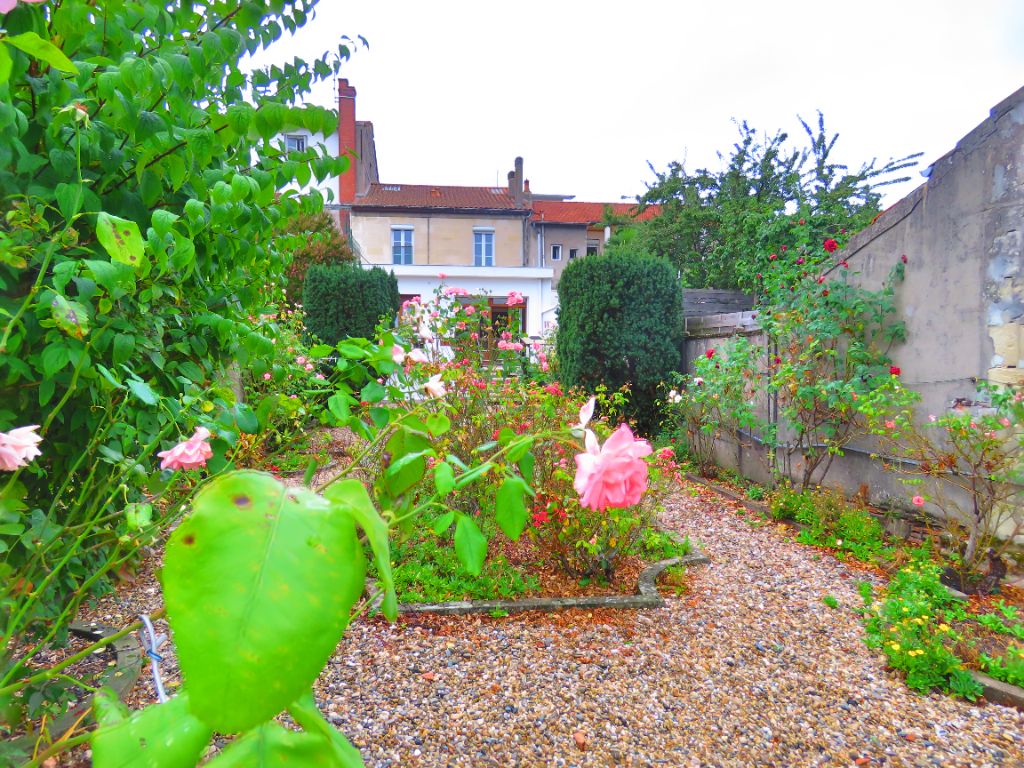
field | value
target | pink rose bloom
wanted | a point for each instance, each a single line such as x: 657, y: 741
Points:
x: 6, y: 6
x: 587, y: 411
x: 320, y: 376
x: 612, y: 475
x: 18, y: 447
x: 397, y: 354
x: 470, y: 309
x: 300, y: 360
x: 417, y: 355
x: 425, y: 333
x: 441, y: 275
x: 190, y: 454
x: 890, y: 425
x: 918, y: 501
x: 267, y: 377
x: 1004, y: 421
x: 515, y: 297
x: 474, y: 335
x: 434, y: 386
x: 544, y: 366
x: 309, y: 366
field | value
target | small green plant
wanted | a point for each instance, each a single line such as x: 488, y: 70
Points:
x: 757, y: 493
x: 830, y: 601
x: 913, y: 626
x: 343, y: 300
x: 1009, y: 668
x: 996, y: 624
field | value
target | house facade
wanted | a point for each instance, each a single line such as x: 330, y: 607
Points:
x: 490, y: 241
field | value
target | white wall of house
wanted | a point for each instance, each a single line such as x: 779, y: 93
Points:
x: 533, y: 283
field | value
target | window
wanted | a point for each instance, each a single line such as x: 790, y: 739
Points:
x: 556, y: 253
x: 401, y: 245
x: 593, y: 246
x: 483, y: 248
x: 293, y: 143
x: 573, y: 253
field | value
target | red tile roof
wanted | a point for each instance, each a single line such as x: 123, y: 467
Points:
x: 435, y: 196
x: 572, y: 212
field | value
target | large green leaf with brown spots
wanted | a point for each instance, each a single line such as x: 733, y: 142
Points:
x: 258, y: 581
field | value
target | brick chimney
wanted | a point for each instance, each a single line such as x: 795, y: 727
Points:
x: 347, y: 141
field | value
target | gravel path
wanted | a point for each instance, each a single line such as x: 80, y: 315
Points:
x: 747, y: 669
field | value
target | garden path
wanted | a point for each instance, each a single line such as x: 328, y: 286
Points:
x: 749, y: 668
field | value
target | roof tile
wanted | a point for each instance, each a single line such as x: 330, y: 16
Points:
x: 435, y: 196
x: 573, y: 212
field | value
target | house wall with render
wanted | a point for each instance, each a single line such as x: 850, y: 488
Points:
x: 963, y: 296
x: 444, y: 239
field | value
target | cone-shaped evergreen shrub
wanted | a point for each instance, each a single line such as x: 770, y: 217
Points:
x: 620, y: 321
x: 343, y: 300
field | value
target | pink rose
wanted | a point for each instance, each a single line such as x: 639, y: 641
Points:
x: 514, y: 298
x: 918, y: 501
x: 190, y: 454
x: 308, y: 366
x: 587, y: 411
x: 267, y: 376
x: 613, y: 475
x: 300, y: 360
x: 890, y: 425
x: 470, y: 309
x: 397, y: 354
x: 434, y: 386
x: 417, y: 355
x: 18, y: 447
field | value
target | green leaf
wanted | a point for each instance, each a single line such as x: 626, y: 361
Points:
x: 470, y: 545
x: 70, y: 316
x: 351, y: 498
x: 404, y: 472
x: 143, y: 391
x: 241, y: 417
x: 44, y: 50
x: 54, y: 358
x: 137, y: 515
x: 473, y: 474
x: 525, y: 465
x: 510, y: 509
x: 373, y: 392
x: 266, y: 408
x: 519, y: 448
x: 444, y: 478
x: 339, y: 405
x: 163, y: 221
x: 306, y: 713
x: 272, y: 746
x: 506, y: 436
x: 5, y: 64
x: 124, y: 346
x: 164, y: 735
x: 258, y: 583
x: 69, y: 199
x: 121, y: 239
x: 444, y: 522
x: 438, y: 424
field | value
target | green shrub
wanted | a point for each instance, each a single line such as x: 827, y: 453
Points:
x: 343, y: 300
x: 620, y: 322
x: 308, y: 239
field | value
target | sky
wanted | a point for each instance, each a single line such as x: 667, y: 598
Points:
x: 591, y: 93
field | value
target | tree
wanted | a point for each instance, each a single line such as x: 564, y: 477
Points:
x: 308, y: 239
x: 714, y: 222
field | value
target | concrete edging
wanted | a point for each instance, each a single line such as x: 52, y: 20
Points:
x: 647, y: 595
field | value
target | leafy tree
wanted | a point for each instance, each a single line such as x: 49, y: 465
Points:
x: 138, y: 190
x: 714, y: 222
x: 620, y: 322
x: 307, y: 239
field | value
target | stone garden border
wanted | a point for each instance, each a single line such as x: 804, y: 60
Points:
x: 993, y: 690
x: 647, y: 595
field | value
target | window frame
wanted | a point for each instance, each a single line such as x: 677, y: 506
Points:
x: 556, y: 251
x: 397, y: 258
x: 296, y: 137
x: 481, y: 258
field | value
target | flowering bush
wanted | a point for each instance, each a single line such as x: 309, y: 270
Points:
x: 973, y: 456
x: 718, y: 398
x: 831, y: 370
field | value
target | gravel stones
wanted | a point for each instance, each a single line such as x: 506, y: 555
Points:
x: 747, y: 668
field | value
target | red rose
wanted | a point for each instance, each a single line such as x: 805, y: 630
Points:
x: 903, y: 258
x: 844, y: 265
x: 831, y: 245
x: 772, y: 257
x: 709, y: 354
x: 800, y: 260
x: 894, y: 370
x: 825, y: 292
x: 785, y: 248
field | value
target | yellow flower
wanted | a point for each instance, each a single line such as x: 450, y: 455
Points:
x: 894, y: 646
x: 943, y: 627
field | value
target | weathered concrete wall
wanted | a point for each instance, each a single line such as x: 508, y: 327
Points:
x: 963, y: 296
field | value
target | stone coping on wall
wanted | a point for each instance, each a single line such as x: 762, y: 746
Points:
x: 646, y: 597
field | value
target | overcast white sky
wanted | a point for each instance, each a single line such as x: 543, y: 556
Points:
x: 590, y: 92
